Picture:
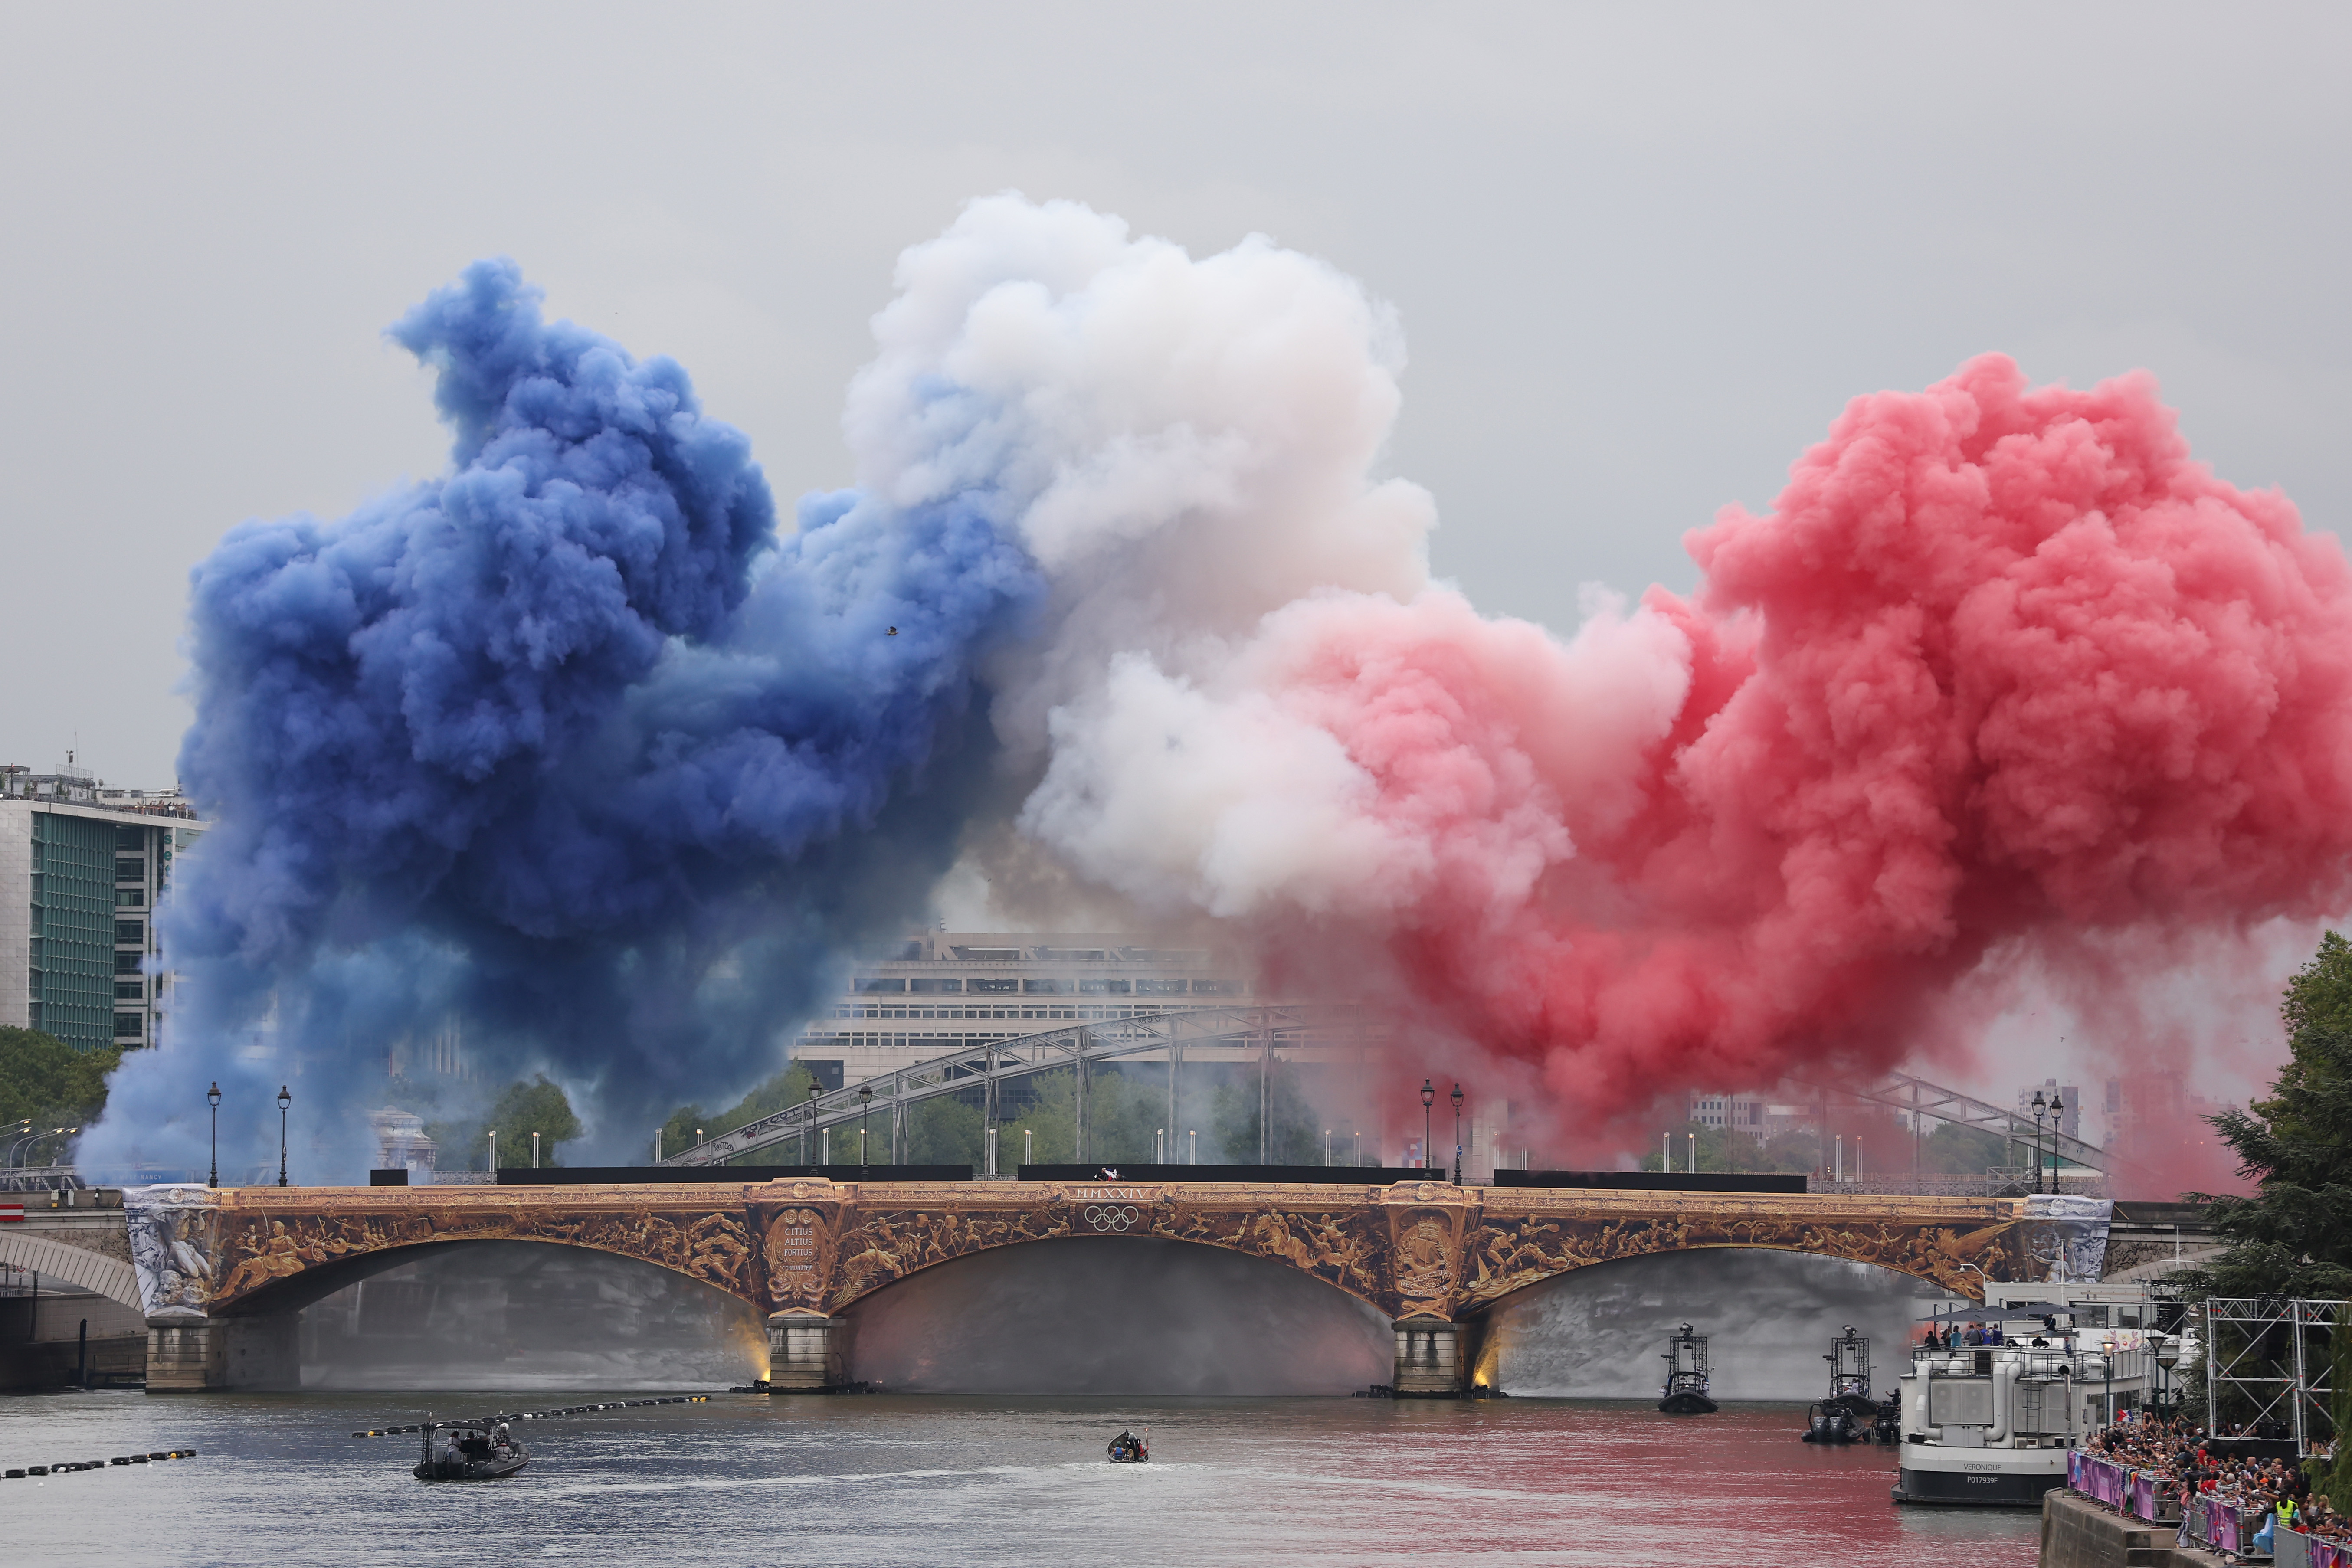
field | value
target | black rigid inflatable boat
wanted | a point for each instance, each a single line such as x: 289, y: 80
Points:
x: 469, y: 1452
x: 1686, y: 1390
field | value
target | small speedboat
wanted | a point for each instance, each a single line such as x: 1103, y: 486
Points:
x: 469, y: 1451
x: 1849, y: 1415
x: 1832, y: 1422
x: 1126, y: 1448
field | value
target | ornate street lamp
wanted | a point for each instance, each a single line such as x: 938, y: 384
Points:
x: 1457, y: 1134
x: 285, y: 1103
x: 211, y: 1098
x: 2057, y: 1105
x: 2040, y: 1106
x: 865, y: 1119
x: 814, y: 1092
x: 1428, y: 1099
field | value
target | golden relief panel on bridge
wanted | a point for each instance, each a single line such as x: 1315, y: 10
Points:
x: 259, y: 1249
x: 816, y: 1247
x: 1510, y: 1252
x: 1341, y: 1244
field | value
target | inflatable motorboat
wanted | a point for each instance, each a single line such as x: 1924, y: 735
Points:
x: 1849, y: 1415
x: 468, y: 1451
x: 1126, y: 1448
x: 1832, y: 1422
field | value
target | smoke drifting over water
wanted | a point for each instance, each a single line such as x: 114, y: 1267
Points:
x: 1600, y: 1332
x: 1095, y: 1315
x: 1088, y: 1315
x: 570, y: 744
x: 516, y: 1315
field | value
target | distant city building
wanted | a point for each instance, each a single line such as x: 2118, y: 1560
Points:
x: 2154, y: 1100
x: 933, y: 992
x: 2070, y: 1118
x: 942, y: 991
x: 82, y: 866
x: 402, y: 1145
x: 1746, y: 1113
x: 440, y: 1054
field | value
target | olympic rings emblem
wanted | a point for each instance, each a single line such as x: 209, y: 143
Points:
x: 1111, y: 1217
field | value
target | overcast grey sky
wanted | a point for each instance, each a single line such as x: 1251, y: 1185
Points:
x: 1642, y: 254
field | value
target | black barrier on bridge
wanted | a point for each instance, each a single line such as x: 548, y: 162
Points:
x: 1652, y: 1181
x: 1378, y: 1176
x: 640, y: 1176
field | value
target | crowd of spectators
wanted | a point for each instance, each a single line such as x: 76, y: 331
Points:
x: 1953, y: 1336
x: 2270, y: 1491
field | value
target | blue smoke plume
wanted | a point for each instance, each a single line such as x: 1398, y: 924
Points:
x: 567, y: 744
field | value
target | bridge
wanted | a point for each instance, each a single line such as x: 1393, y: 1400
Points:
x: 1262, y: 1033
x: 221, y: 1275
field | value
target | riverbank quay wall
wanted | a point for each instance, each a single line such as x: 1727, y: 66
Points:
x: 2077, y: 1532
x: 222, y: 1273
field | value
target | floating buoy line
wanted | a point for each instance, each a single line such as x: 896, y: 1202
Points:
x: 539, y: 1414
x: 27, y: 1471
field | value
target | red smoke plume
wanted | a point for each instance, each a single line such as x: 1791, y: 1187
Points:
x: 2002, y: 663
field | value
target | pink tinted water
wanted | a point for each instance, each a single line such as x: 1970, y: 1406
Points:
x: 887, y: 1479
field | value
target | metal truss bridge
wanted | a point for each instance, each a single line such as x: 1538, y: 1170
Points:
x: 1257, y: 1029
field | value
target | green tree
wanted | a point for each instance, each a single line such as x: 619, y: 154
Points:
x: 2293, y: 1236
x: 1785, y: 1153
x: 1298, y: 1137
x: 524, y: 1109
x: 1955, y: 1149
x: 49, y: 1084
x: 2333, y: 1478
x: 944, y: 1132
x: 1119, y: 1118
x: 786, y: 1088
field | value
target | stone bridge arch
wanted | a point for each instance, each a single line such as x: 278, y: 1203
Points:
x: 91, y: 1269
x: 1428, y: 1255
x: 1516, y: 1246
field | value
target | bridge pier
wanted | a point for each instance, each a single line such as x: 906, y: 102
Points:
x: 185, y: 1354
x: 1431, y: 1361
x: 807, y: 1350
x: 190, y: 1354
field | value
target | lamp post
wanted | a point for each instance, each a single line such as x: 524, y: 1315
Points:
x: 285, y: 1103
x: 2057, y: 1105
x: 1428, y: 1099
x: 1456, y: 1098
x: 211, y: 1098
x: 865, y: 1119
x: 2040, y: 1106
x: 814, y: 1092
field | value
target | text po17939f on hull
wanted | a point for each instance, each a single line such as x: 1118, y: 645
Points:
x: 1991, y: 1426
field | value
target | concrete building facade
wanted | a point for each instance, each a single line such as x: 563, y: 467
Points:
x: 81, y: 868
x: 2069, y: 1120
x: 936, y: 992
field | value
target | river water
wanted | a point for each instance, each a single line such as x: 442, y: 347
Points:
x: 976, y: 1479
